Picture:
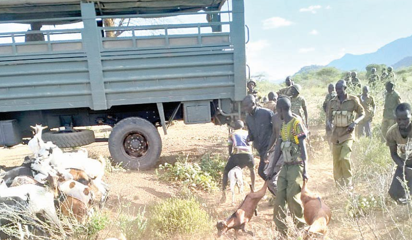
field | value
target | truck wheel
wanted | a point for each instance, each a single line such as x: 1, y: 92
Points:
x: 135, y: 143
x: 75, y: 138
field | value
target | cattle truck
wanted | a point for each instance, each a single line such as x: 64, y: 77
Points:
x: 139, y: 73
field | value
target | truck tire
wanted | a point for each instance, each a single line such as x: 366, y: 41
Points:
x: 135, y: 143
x: 75, y: 138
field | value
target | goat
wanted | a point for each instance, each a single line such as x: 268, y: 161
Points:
x: 98, y: 187
x: 37, y: 143
x: 10, y: 175
x: 76, y: 200
x: 41, y: 199
x: 235, y: 176
x: 243, y: 214
x: 317, y: 214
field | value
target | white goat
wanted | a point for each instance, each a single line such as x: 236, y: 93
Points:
x: 37, y: 143
x: 41, y: 200
x: 235, y: 176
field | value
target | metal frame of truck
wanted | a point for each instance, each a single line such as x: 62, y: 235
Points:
x: 133, y: 83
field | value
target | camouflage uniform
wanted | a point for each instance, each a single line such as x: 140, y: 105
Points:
x: 391, y: 76
x: 298, y: 103
x: 392, y: 99
x: 384, y: 75
x: 356, y: 82
x: 342, y: 115
x: 365, y: 126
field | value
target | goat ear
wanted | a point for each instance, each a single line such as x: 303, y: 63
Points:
x: 33, y: 127
x: 72, y: 184
x: 86, y: 191
x: 44, y: 127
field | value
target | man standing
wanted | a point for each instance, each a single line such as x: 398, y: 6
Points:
x: 291, y: 145
x: 331, y: 94
x: 240, y: 153
x: 355, y: 83
x: 286, y: 91
x: 373, y: 78
x: 348, y: 78
x: 298, y: 103
x: 399, y: 142
x: 368, y: 104
x: 391, y: 75
x: 271, y: 103
x: 392, y: 99
x: 342, y: 121
x: 259, y: 124
x: 384, y: 75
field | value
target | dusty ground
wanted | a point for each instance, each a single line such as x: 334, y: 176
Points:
x: 132, y: 190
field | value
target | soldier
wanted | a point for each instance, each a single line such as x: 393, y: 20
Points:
x: 271, y: 103
x: 355, y: 83
x: 251, y: 88
x: 392, y: 99
x: 291, y: 145
x: 384, y: 75
x: 391, y: 75
x: 331, y: 94
x: 286, y: 91
x: 368, y: 104
x: 374, y: 78
x: 259, y: 124
x: 341, y: 119
x: 397, y: 139
x: 298, y: 103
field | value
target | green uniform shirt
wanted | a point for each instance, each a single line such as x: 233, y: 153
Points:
x: 392, y: 100
x: 368, y: 104
x: 356, y: 82
x: 352, y: 105
x: 298, y: 103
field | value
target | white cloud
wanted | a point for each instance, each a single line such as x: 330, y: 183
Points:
x: 311, y: 9
x: 275, y: 22
x: 328, y: 7
x: 257, y: 46
x: 306, y: 50
x: 314, y: 32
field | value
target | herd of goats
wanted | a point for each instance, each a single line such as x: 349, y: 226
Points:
x: 48, y: 182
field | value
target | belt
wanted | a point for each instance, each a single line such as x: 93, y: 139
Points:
x: 293, y: 163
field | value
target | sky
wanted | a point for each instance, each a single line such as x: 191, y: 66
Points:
x: 286, y: 35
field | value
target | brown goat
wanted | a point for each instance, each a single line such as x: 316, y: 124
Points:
x: 317, y: 214
x: 243, y: 214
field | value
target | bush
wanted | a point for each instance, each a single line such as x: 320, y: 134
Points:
x: 213, y: 165
x: 179, y: 217
x: 133, y: 227
x: 189, y: 174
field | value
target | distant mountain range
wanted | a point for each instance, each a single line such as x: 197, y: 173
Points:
x: 397, y: 54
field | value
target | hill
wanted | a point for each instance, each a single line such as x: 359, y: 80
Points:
x: 406, y: 62
x: 389, y: 54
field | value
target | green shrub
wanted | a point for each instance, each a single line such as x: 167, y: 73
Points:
x: 213, y: 165
x: 91, y: 229
x: 178, y: 217
x: 189, y: 174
